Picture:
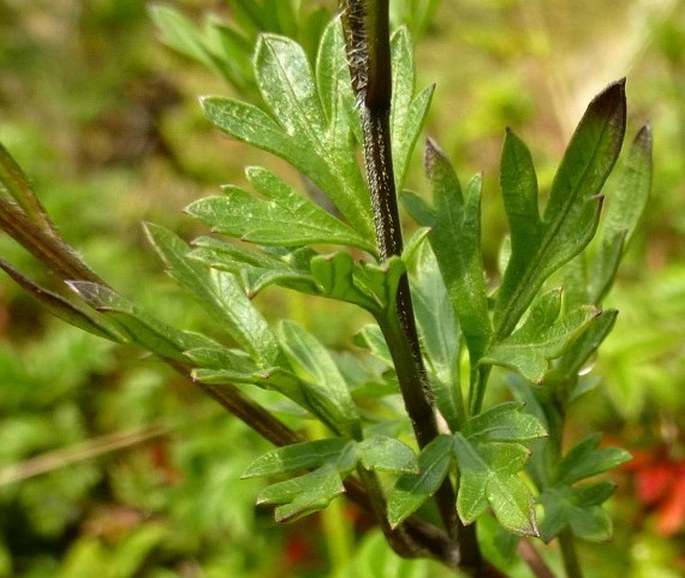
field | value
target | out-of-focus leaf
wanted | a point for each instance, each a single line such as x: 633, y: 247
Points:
x: 439, y: 335
x: 626, y: 203
x: 371, y: 337
x: 585, y: 460
x: 577, y: 507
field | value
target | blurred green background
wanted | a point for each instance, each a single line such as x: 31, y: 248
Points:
x: 112, y: 466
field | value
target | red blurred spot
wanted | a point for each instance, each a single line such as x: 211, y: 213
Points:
x: 660, y: 485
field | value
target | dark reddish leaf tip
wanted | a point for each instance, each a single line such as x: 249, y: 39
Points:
x: 611, y: 103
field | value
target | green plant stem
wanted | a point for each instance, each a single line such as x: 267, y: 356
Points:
x: 569, y: 554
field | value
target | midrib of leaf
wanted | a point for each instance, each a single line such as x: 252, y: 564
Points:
x: 539, y: 262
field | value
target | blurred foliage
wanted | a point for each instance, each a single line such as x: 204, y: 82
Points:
x: 106, y: 122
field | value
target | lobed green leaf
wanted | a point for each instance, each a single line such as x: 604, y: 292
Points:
x: 488, y: 477
x: 303, y: 495
x: 258, y: 270
x: 455, y: 239
x: 412, y: 490
x: 295, y: 457
x: 283, y: 217
x: 323, y: 384
x: 572, y: 212
x: 372, y: 287
x: 580, y: 508
x: 219, y: 293
x: 541, y: 338
x: 504, y: 422
x: 585, y: 460
x: 385, y: 454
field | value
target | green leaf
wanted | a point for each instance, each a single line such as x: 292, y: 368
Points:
x: 218, y: 357
x: 407, y: 113
x: 180, y: 34
x: 73, y: 313
x: 487, y: 476
x: 575, y: 357
x: 520, y: 194
x: 439, y: 333
x: 303, y: 495
x: 372, y: 287
x: 586, y: 460
x: 219, y: 294
x: 258, y: 270
x: 386, y: 454
x: 135, y: 324
x: 17, y: 186
x: 626, y: 201
x: 580, y: 508
x: 287, y: 85
x: 503, y: 423
x: 295, y: 457
x: 412, y: 490
x: 282, y: 217
x: 323, y: 384
x: 335, y: 88
x: 572, y: 212
x: 455, y: 239
x: 541, y: 338
x: 371, y: 337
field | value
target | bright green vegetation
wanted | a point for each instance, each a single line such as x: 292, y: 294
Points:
x: 443, y: 388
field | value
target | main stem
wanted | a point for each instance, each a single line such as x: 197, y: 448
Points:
x: 368, y: 44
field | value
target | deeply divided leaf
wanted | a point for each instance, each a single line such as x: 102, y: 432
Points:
x: 454, y: 220
x: 412, y: 490
x: 219, y: 293
x: 296, y: 457
x: 324, y: 386
x: 543, y: 336
x: 282, y: 216
x: 571, y: 216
